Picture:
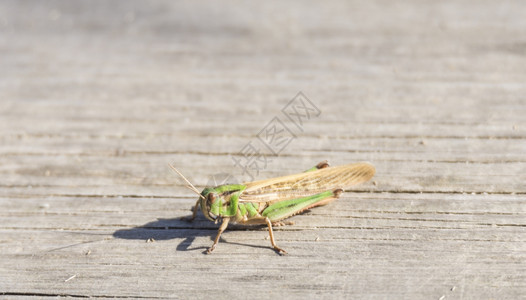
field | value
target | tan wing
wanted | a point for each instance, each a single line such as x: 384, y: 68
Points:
x: 308, y: 183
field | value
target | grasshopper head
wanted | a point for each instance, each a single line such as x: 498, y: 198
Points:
x: 210, y: 203
x: 210, y: 199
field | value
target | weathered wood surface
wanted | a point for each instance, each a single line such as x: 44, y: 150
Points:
x: 97, y: 97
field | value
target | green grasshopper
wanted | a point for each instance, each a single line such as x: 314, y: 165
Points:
x: 272, y: 200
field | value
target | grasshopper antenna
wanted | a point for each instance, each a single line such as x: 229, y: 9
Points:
x: 190, y: 185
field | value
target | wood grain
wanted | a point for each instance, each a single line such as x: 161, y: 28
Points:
x: 96, y: 98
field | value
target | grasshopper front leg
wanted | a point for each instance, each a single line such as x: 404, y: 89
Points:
x: 194, y: 214
x: 221, y: 229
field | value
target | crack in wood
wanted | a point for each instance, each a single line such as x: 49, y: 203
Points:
x: 30, y: 294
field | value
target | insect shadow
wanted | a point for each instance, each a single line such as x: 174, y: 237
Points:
x: 168, y: 229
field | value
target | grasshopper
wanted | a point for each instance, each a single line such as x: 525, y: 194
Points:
x: 272, y: 200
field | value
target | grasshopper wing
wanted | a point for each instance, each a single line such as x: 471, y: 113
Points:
x: 308, y: 183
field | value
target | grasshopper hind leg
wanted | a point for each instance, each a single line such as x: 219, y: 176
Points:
x: 321, y: 165
x: 283, y: 223
x: 336, y: 194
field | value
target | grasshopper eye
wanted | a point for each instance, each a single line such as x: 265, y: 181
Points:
x: 211, y: 197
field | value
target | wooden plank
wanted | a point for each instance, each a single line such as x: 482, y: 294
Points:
x: 97, y: 98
